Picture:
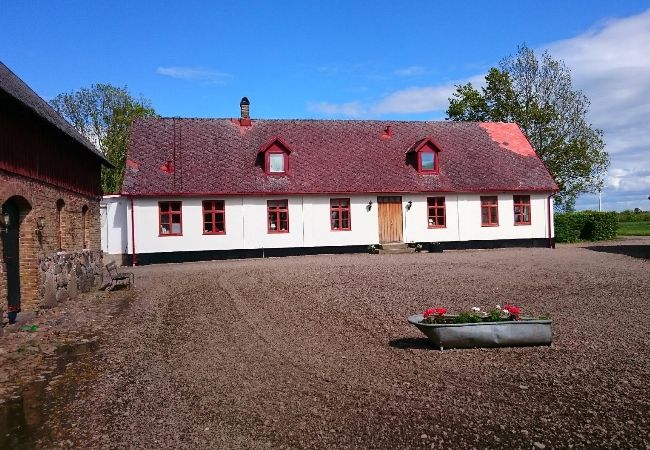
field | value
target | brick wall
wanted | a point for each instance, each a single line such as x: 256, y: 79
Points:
x: 37, y: 199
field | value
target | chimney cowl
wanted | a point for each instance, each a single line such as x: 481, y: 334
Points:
x: 245, y: 118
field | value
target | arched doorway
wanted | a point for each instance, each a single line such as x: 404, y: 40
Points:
x: 14, y: 211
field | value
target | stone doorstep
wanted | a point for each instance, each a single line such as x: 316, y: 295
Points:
x: 395, y: 248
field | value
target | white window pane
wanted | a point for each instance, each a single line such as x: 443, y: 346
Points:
x: 276, y: 163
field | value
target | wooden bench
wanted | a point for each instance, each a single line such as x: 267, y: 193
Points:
x: 119, y: 278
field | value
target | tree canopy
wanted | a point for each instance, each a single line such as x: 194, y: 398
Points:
x: 103, y: 114
x: 539, y: 96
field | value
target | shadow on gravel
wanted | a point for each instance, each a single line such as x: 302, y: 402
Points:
x: 413, y: 343
x: 636, y: 251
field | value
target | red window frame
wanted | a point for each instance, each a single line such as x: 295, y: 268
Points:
x: 267, y: 162
x: 168, y: 210
x: 216, y: 212
x: 489, y: 203
x: 436, y: 212
x: 523, y: 203
x: 337, y: 211
x: 436, y: 168
x: 275, y: 208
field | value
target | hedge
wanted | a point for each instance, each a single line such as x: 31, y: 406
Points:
x: 585, y: 225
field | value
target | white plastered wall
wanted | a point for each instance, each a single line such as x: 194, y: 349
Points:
x: 469, y: 212
x: 246, y: 224
x: 309, y: 225
x: 114, y: 225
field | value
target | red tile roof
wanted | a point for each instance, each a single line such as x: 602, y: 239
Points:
x: 218, y: 156
x: 16, y: 88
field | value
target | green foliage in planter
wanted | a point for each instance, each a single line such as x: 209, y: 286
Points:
x: 468, y: 317
x: 585, y: 225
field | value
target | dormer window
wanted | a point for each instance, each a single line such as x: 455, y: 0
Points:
x: 276, y: 162
x: 276, y: 157
x: 427, y: 154
x: 428, y: 162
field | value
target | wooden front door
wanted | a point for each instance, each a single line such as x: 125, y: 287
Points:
x: 390, y: 219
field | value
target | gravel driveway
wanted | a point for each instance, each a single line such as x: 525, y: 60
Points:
x: 316, y: 352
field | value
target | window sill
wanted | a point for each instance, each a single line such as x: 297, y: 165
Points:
x: 433, y: 227
x: 278, y: 232
x: 220, y: 233
x: 522, y: 224
x: 334, y: 230
x: 489, y: 224
x: 170, y: 235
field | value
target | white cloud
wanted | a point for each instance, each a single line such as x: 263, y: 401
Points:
x: 350, y: 109
x: 411, y: 71
x: 194, y: 73
x: 611, y: 65
x: 411, y: 100
x: 415, y: 100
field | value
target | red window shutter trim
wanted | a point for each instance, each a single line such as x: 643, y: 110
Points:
x: 436, y: 162
x: 275, y: 209
x: 216, y: 209
x: 523, y: 203
x: 167, y: 211
x: 490, y: 206
x: 337, y: 206
x: 436, y: 212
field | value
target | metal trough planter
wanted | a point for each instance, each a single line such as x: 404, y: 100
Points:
x: 520, y: 333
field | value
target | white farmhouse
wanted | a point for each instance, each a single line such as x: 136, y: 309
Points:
x: 199, y: 189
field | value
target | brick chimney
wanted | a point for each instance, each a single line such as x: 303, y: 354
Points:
x: 245, y: 119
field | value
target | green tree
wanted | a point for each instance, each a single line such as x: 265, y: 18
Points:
x: 103, y: 114
x: 538, y: 95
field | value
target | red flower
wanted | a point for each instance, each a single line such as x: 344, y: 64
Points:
x: 429, y: 312
x: 514, y: 310
x: 441, y: 311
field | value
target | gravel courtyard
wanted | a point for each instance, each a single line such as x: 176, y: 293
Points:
x: 316, y: 352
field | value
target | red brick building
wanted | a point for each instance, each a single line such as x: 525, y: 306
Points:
x: 50, y: 186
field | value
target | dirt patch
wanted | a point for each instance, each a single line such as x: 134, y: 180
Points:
x: 37, y: 354
x: 315, y: 352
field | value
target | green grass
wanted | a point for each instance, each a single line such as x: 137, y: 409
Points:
x: 634, y: 229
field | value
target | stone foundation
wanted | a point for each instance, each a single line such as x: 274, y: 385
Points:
x: 65, y: 274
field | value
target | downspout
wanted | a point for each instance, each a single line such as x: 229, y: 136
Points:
x: 134, y: 258
x: 551, y: 241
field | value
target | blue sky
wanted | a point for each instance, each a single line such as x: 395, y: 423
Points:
x: 341, y: 59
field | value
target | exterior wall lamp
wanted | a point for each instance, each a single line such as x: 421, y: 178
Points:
x: 5, y: 220
x: 40, y: 224
x: 369, y: 207
x: 408, y: 205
